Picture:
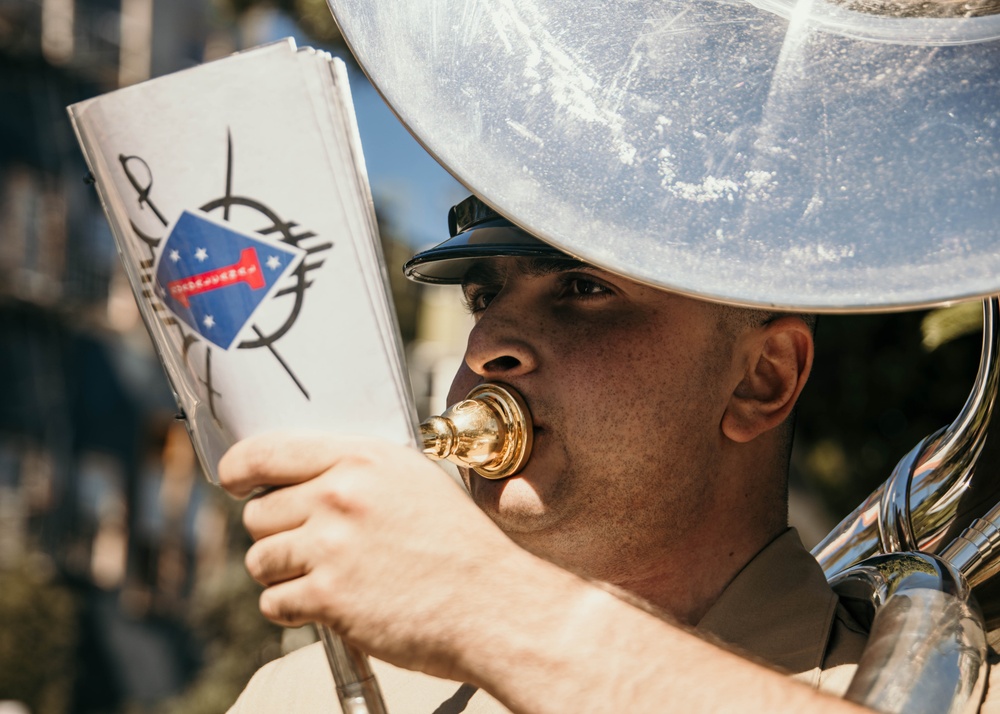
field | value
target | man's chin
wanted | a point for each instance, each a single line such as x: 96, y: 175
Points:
x: 514, y: 503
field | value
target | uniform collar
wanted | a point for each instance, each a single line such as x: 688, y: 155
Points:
x: 779, y: 608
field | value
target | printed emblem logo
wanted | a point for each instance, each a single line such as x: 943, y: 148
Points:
x: 211, y: 280
x: 214, y: 277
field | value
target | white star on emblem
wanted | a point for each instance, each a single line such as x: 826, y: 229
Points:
x: 274, y: 262
x: 209, y: 321
x: 175, y: 255
x: 201, y: 254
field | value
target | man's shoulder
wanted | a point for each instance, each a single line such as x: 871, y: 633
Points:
x: 846, y: 643
x: 991, y: 697
x: 301, y: 682
x: 298, y: 682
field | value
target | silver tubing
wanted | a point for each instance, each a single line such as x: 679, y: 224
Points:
x: 927, y: 648
x: 915, y: 507
x: 943, y: 469
x: 976, y: 551
x: 926, y: 652
x: 895, y: 523
x: 357, y: 688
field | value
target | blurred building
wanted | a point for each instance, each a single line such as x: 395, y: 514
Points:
x: 107, y: 527
x: 94, y: 476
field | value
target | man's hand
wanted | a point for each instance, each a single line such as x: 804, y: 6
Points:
x: 377, y: 542
x: 371, y: 539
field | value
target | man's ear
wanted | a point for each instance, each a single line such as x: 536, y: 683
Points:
x: 777, y: 357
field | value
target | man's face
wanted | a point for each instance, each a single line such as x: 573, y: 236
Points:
x: 627, y: 386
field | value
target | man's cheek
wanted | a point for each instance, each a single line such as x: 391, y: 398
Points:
x: 465, y: 379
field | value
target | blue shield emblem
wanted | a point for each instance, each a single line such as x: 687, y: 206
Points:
x: 214, y: 277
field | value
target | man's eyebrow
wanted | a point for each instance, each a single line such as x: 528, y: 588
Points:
x: 488, y: 272
x: 482, y: 273
x: 540, y: 267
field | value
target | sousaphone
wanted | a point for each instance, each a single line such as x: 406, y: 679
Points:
x: 814, y: 155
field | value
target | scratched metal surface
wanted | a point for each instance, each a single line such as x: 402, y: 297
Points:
x: 796, y: 155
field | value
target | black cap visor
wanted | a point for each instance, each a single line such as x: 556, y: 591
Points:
x: 447, y: 263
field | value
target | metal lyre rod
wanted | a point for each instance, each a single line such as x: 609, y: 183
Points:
x: 357, y: 688
x: 914, y: 508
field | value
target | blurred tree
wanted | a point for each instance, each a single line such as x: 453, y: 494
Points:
x: 940, y: 327
x: 876, y: 390
x: 236, y: 638
x: 38, y: 636
x: 313, y: 16
x: 406, y: 294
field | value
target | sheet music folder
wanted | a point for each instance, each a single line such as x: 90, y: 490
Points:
x: 239, y: 201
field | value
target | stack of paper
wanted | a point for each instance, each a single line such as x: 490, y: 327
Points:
x: 240, y: 205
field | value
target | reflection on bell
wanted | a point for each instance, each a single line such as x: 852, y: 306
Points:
x: 923, y: 8
x: 489, y: 431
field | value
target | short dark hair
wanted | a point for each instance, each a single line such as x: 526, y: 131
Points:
x: 741, y: 318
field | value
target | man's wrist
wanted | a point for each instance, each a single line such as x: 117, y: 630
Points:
x: 532, y: 639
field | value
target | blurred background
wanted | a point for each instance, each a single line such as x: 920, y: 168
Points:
x: 121, y: 580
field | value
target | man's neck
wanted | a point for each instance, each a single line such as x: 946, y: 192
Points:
x: 688, y: 582
x: 683, y: 579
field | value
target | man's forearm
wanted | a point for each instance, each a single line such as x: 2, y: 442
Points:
x: 557, y: 643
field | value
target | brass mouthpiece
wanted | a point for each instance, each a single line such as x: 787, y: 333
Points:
x: 489, y: 431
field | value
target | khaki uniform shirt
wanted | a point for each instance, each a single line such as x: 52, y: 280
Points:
x: 778, y: 610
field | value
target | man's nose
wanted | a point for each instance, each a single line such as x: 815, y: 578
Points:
x: 491, y: 356
x: 500, y: 346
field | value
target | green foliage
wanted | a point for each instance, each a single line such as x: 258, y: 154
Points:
x: 405, y: 292
x: 315, y: 19
x: 313, y: 16
x: 37, y: 636
x: 949, y: 323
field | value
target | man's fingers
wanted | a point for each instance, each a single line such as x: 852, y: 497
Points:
x: 291, y: 604
x: 274, y: 511
x: 278, y: 460
x: 276, y: 559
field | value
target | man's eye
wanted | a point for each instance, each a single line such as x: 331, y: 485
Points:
x: 585, y: 287
x: 478, y: 300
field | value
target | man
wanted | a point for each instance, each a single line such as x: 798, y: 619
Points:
x: 654, y: 502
